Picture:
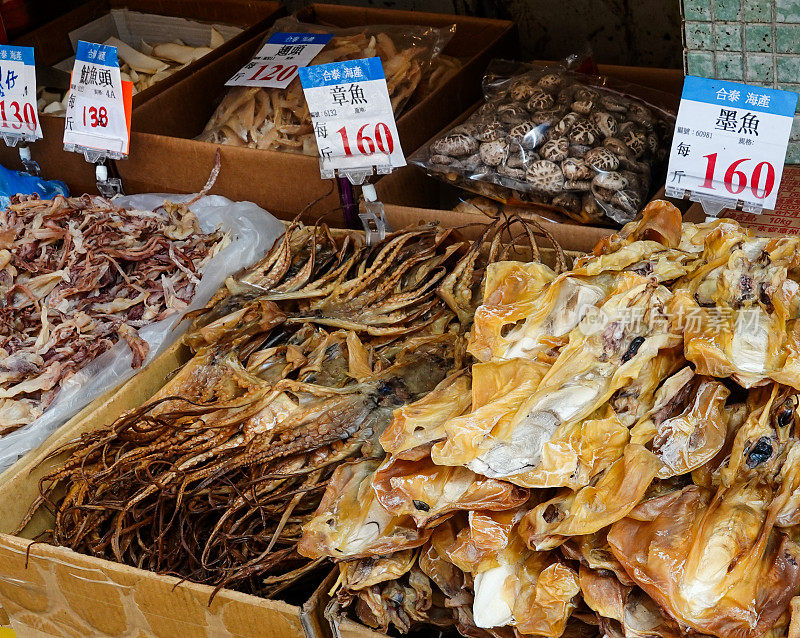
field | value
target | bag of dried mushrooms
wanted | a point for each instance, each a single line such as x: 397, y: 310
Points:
x: 278, y: 119
x: 554, y: 137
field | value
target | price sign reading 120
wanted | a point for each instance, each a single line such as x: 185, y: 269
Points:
x: 730, y: 142
x: 276, y: 63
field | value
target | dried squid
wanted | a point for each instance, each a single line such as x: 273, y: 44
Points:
x: 621, y: 459
x: 79, y: 274
x: 297, y: 368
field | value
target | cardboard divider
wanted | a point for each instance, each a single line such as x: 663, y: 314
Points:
x: 54, y: 591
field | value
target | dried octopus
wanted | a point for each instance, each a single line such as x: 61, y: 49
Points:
x: 622, y: 460
x: 298, y: 367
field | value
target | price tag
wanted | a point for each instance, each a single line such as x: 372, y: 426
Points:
x: 730, y: 144
x: 352, y: 116
x: 98, y: 118
x: 276, y: 64
x: 18, y: 116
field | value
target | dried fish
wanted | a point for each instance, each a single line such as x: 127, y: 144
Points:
x: 621, y: 460
x: 298, y: 366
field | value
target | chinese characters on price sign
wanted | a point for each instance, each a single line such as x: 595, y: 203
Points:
x: 730, y: 143
x: 18, y: 116
x: 99, y: 104
x: 276, y: 64
x: 352, y: 116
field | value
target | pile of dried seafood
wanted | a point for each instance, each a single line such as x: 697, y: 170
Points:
x: 279, y: 119
x: 297, y: 367
x: 623, y: 462
x: 76, y: 276
x: 143, y: 67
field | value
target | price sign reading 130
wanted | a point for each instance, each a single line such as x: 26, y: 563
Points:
x: 18, y: 116
x: 352, y: 114
x: 730, y: 142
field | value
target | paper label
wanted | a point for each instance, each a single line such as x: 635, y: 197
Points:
x: 99, y: 104
x: 730, y: 142
x: 18, y: 114
x: 278, y: 61
x: 352, y: 115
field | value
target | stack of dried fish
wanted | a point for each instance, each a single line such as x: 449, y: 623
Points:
x: 76, y: 276
x: 624, y: 462
x: 298, y: 367
x: 279, y: 119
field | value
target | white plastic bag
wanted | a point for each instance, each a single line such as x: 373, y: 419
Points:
x: 253, y: 231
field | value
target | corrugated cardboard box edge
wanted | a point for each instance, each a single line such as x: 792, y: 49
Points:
x: 63, y: 591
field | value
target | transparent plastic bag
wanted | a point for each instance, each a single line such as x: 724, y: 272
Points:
x: 253, y: 231
x: 278, y: 119
x: 580, y: 144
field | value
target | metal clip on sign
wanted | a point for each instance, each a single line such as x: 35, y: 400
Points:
x: 107, y: 186
x: 374, y: 219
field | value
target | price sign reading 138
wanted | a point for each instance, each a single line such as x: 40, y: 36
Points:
x: 730, y: 142
x: 98, y: 108
x: 352, y: 115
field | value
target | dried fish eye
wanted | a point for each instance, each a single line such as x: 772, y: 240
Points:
x: 786, y: 415
x: 761, y: 451
x: 421, y: 505
x: 632, y: 349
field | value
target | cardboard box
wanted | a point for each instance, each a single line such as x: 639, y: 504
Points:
x: 52, y: 45
x: 165, y: 157
x: 55, y: 41
x: 54, y: 591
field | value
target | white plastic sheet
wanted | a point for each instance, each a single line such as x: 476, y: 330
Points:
x: 252, y: 230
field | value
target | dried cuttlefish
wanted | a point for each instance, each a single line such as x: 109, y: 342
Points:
x: 79, y: 274
x: 621, y: 460
x: 298, y: 366
x: 278, y: 119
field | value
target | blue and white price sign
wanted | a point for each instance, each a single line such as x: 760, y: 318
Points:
x: 352, y: 116
x: 98, y: 109
x: 277, y: 62
x: 730, y: 143
x: 18, y: 113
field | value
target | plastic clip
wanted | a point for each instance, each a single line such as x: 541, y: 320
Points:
x: 353, y: 167
x: 107, y: 186
x: 31, y: 166
x: 374, y: 219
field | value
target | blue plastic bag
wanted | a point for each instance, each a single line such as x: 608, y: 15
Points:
x: 17, y: 182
